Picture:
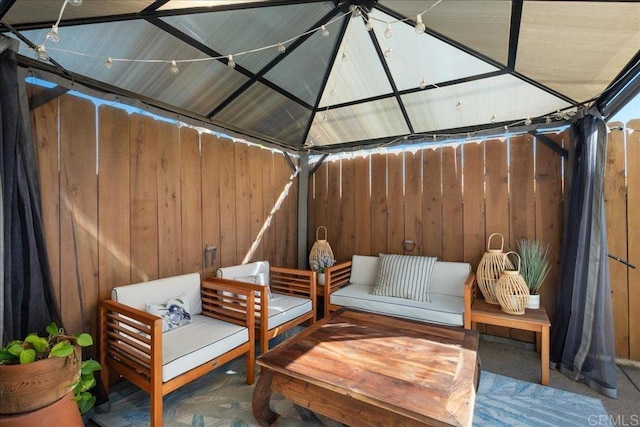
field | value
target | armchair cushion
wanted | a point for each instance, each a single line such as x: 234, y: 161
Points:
x: 283, y: 308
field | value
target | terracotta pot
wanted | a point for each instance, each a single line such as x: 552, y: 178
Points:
x: 64, y: 412
x: 35, y: 385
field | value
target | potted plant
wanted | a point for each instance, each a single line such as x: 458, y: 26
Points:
x: 38, y: 371
x: 534, y: 267
x: 320, y: 264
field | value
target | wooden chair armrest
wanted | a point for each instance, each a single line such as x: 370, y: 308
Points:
x: 232, y: 301
x: 470, y: 286
x: 292, y: 281
x: 335, y: 277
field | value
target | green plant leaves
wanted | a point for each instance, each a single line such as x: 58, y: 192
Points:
x: 27, y: 356
x: 90, y: 366
x: 62, y: 349
x: 38, y: 343
x: 84, y: 340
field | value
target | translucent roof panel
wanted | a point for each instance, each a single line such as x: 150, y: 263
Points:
x: 302, y: 73
x: 412, y: 57
x: 507, y: 97
x: 31, y: 11
x: 188, y: 4
x: 198, y: 86
x: 584, y: 44
x: 481, y: 25
x: 235, y: 31
x: 357, y: 72
x: 267, y: 113
x: 358, y: 122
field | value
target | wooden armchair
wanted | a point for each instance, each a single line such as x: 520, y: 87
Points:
x: 291, y: 296
x: 134, y: 345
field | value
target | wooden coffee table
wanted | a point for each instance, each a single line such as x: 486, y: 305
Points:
x: 366, y: 369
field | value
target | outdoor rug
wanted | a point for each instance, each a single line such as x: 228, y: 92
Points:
x: 222, y: 398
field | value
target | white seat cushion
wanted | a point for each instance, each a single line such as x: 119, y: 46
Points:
x: 443, y: 309
x: 202, y: 340
x: 283, y: 308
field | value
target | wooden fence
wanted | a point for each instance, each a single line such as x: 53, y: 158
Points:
x: 127, y: 198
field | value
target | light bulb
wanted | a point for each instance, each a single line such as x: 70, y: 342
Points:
x: 459, y: 105
x: 108, y: 63
x: 356, y: 10
x: 527, y: 121
x: 230, y: 62
x: 75, y: 3
x: 42, y: 53
x: 325, y: 32
x: 174, y: 67
x: 419, y: 25
x: 494, y: 118
x: 506, y: 128
x: 388, y: 33
x: 281, y: 48
x: 423, y: 83
x: 324, y: 117
x: 387, y: 53
x: 333, y: 92
x: 53, y: 34
x: 547, y: 120
x: 344, y: 56
x: 368, y: 25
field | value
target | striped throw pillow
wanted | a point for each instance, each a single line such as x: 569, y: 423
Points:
x: 404, y: 276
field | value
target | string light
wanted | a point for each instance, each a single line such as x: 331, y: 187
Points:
x: 230, y: 62
x: 494, y: 118
x: 174, y: 67
x: 388, y: 33
x: 53, y: 34
x: 527, y: 121
x: 75, y: 3
x: 344, y: 56
x: 387, y: 53
x: 42, y: 53
x: 108, y: 63
x: 368, y: 25
x: 459, y: 105
x: 325, y: 32
x: 423, y: 83
x: 420, y: 27
x: 281, y: 48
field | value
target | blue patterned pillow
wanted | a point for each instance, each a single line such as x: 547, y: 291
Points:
x: 404, y: 276
x: 174, y: 313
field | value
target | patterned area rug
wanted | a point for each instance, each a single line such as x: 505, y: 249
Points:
x: 222, y: 398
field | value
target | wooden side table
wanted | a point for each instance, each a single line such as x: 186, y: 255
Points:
x: 535, y: 320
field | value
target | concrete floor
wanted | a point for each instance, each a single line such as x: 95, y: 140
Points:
x: 517, y: 360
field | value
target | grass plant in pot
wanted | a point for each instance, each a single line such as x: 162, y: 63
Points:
x: 39, y: 371
x: 534, y: 256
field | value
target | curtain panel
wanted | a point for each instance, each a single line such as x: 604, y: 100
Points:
x: 28, y: 304
x: 582, y: 337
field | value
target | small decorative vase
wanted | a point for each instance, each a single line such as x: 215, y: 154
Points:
x: 320, y: 278
x: 533, y: 301
x: 511, y: 290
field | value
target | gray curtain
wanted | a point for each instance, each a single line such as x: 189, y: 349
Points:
x: 28, y: 304
x: 582, y: 336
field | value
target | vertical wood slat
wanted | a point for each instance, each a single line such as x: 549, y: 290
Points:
x: 144, y: 198
x: 243, y: 203
x: 333, y: 204
x: 550, y: 215
x: 378, y: 203
x: 281, y: 179
x: 320, y: 209
x: 521, y: 200
x: 292, y: 218
x: 413, y: 201
x: 114, y: 200
x: 633, y: 213
x: 395, y: 203
x: 432, y: 202
x: 268, y: 203
x: 211, y: 205
x: 226, y: 163
x: 169, y: 200
x: 46, y: 136
x: 348, y: 218
x: 191, y: 191
x: 257, y: 216
x: 473, y: 203
x: 78, y: 215
x: 363, y: 206
x: 452, y: 246
x: 615, y: 211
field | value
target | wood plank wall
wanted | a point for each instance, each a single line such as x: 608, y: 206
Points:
x: 446, y: 199
x: 127, y: 198
x: 622, y: 204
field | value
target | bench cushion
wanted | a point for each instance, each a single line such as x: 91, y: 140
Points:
x: 202, y: 340
x: 447, y: 278
x: 245, y: 270
x: 283, y: 308
x: 443, y: 309
x: 160, y: 291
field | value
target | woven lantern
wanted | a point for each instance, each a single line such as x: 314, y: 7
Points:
x: 321, y: 247
x: 491, y: 266
x: 511, y: 290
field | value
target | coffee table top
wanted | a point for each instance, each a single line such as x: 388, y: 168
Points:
x: 422, y: 371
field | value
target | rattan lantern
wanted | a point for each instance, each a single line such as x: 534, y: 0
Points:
x: 491, y: 266
x: 511, y: 290
x: 321, y: 248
